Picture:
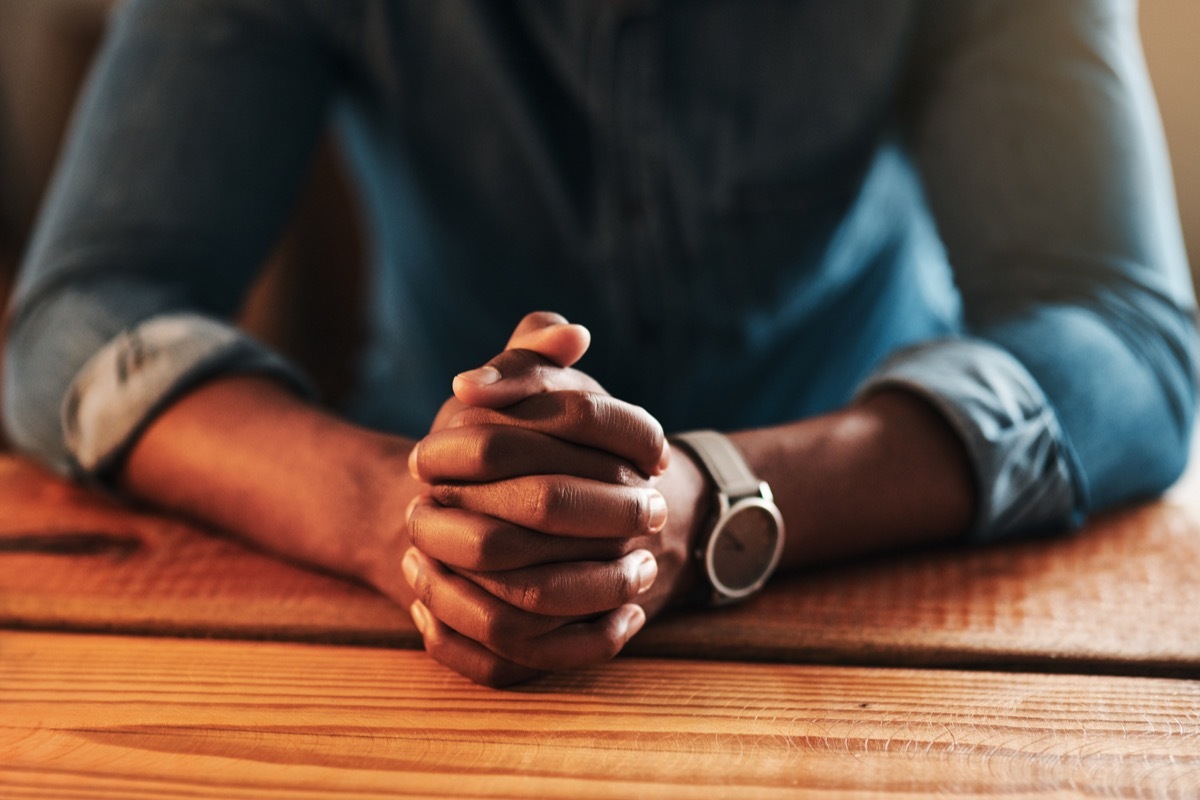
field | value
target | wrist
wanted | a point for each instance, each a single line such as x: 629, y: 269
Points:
x: 689, y: 495
x: 741, y: 544
x: 246, y: 455
x: 377, y: 515
x: 886, y: 473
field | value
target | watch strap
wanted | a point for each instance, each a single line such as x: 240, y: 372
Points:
x: 723, y: 461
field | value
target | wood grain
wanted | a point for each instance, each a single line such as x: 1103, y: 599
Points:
x: 1118, y: 596
x: 107, y: 716
x: 71, y: 559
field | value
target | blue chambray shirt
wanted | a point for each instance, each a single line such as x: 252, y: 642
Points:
x: 759, y: 208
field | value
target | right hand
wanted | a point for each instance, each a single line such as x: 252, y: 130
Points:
x: 525, y: 555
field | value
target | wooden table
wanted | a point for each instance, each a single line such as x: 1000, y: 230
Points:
x: 142, y: 657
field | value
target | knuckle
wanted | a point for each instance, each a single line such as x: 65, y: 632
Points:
x: 474, y: 450
x: 515, y: 548
x: 489, y: 549
x: 582, y: 409
x: 626, y: 582
x: 494, y: 628
x: 625, y: 475
x: 637, y: 512
x: 542, y: 373
x: 515, y: 363
x: 478, y: 665
x: 530, y: 596
x: 503, y: 444
x: 446, y: 494
x: 424, y: 590
x: 477, y: 552
x: 612, y: 549
x: 487, y: 450
x: 648, y: 432
x: 545, y: 502
x: 416, y: 529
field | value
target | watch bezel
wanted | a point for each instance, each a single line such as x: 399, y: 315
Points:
x: 723, y: 593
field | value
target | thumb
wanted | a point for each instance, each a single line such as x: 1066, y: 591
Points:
x: 551, y: 336
x: 535, y: 361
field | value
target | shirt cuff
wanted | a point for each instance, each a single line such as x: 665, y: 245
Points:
x: 1022, y: 460
x: 134, y: 377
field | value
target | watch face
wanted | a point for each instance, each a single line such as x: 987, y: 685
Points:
x: 746, y: 547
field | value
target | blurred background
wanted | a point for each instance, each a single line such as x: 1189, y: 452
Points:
x: 45, y: 48
x: 1169, y: 33
x: 315, y: 272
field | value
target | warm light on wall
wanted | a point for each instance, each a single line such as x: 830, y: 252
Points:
x: 1169, y: 37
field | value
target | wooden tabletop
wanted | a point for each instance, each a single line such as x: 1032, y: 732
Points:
x: 1119, y: 596
x: 143, y: 657
x: 108, y: 716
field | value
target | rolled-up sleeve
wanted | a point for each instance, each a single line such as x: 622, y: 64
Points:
x: 186, y: 153
x: 1011, y: 434
x: 131, y: 378
x: 1036, y: 136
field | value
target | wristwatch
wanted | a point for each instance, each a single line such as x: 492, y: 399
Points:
x: 744, y: 544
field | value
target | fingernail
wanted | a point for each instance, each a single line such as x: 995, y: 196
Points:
x: 634, y: 621
x: 484, y: 376
x: 420, y: 616
x: 412, y: 461
x: 658, y: 511
x: 410, y: 567
x: 647, y: 571
x: 412, y: 506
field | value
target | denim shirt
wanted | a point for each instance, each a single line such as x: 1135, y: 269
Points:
x: 759, y: 209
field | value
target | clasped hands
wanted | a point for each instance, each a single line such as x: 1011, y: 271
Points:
x: 555, y: 519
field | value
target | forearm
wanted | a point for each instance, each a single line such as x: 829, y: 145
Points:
x: 1066, y: 250
x: 188, y: 149
x: 246, y: 455
x: 882, y: 474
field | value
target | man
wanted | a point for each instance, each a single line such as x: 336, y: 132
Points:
x: 755, y: 208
